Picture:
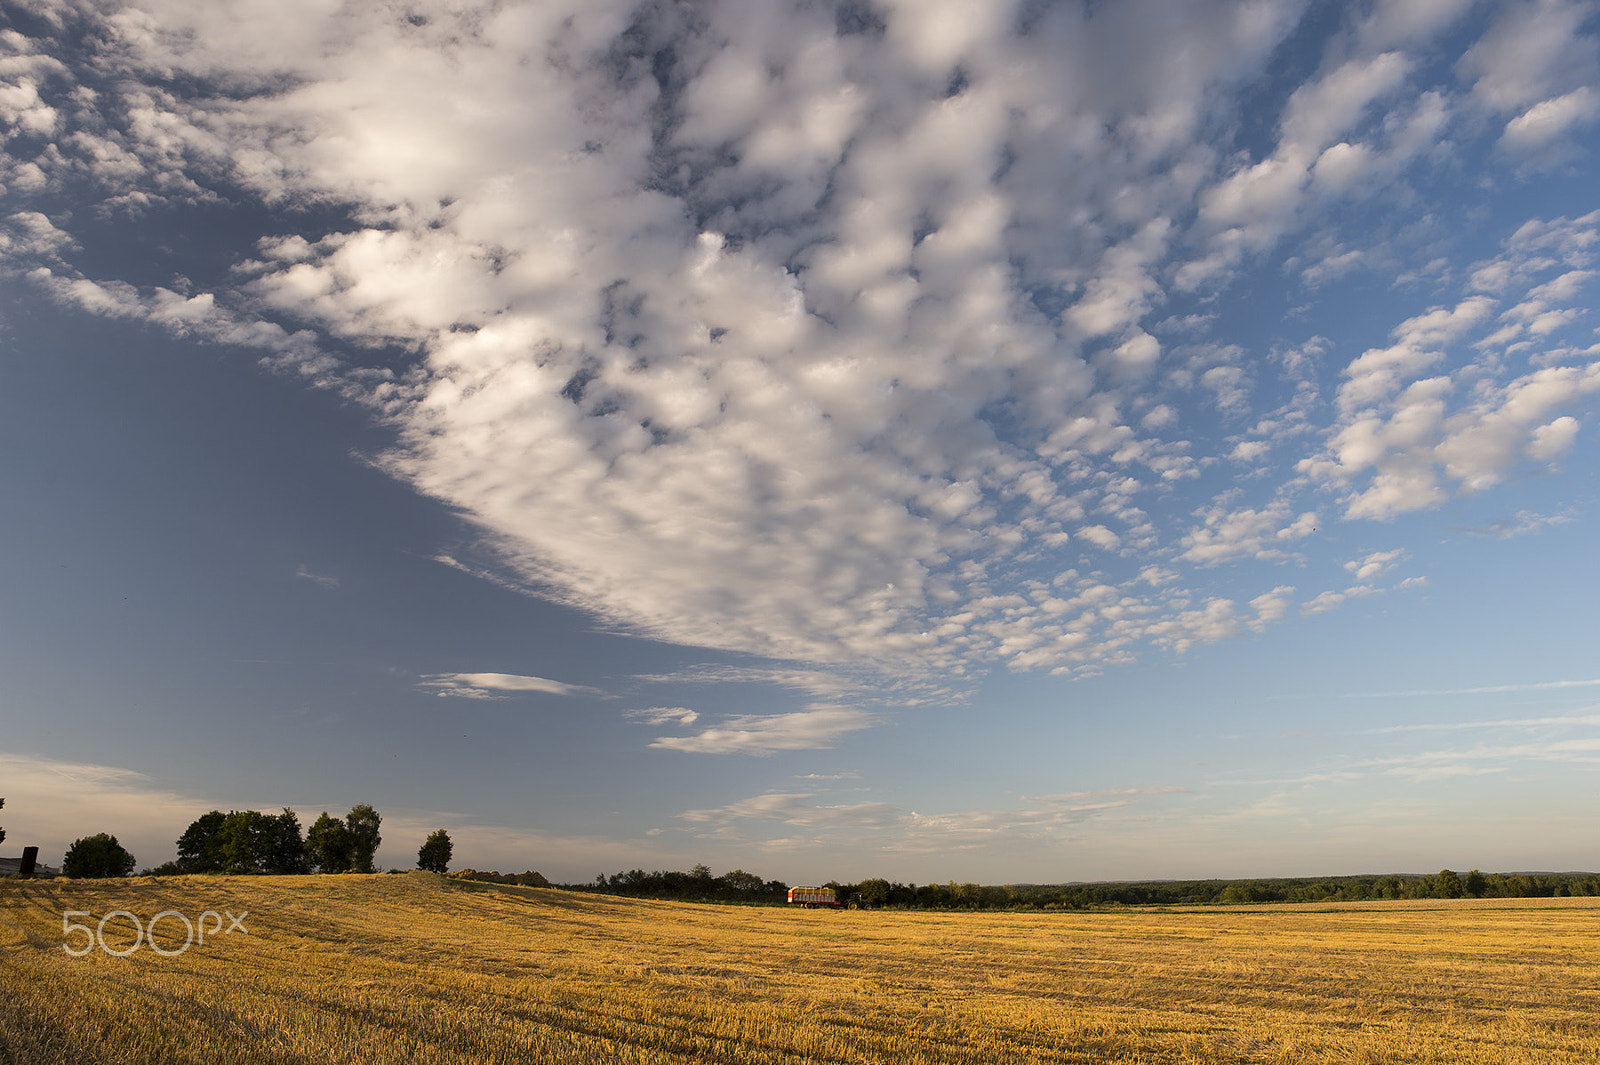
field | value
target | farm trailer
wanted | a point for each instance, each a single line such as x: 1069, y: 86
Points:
x: 812, y: 897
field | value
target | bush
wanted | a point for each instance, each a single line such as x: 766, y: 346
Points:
x: 99, y: 855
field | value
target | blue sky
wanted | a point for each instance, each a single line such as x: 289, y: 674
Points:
x: 1005, y: 442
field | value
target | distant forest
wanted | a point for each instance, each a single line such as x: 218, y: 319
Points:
x: 698, y: 885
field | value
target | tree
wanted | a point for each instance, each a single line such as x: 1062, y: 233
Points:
x: 362, y: 823
x: 328, y: 845
x: 1475, y: 884
x: 434, y: 854
x: 1447, y: 885
x: 241, y: 841
x: 99, y: 855
x: 2, y: 831
x: 200, y: 847
x: 283, y: 850
x: 874, y: 891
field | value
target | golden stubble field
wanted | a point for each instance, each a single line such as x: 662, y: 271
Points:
x: 417, y: 969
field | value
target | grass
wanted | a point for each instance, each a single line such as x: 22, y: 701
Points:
x: 415, y: 968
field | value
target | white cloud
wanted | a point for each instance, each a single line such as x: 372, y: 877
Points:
x: 1263, y: 533
x: 762, y: 734
x: 1549, y: 119
x: 1403, y: 438
x: 1271, y: 606
x: 1552, y: 441
x: 1497, y: 689
x: 1375, y: 564
x: 798, y: 809
x: 833, y: 347
x: 1249, y: 451
x: 1396, y: 21
x: 496, y: 685
x: 321, y: 580
x: 1330, y: 600
x: 1534, y: 51
x: 1034, y: 819
x: 1525, y: 521
x: 664, y: 715
x: 1100, y: 536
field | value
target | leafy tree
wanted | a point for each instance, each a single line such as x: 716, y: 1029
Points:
x: 362, y: 823
x: 874, y: 891
x: 1447, y: 885
x: 964, y: 894
x: 1475, y: 884
x: 328, y: 845
x: 434, y: 854
x: 237, y: 842
x: 283, y: 850
x: 99, y: 855
x: 2, y: 831
x: 200, y: 846
x: 243, y: 841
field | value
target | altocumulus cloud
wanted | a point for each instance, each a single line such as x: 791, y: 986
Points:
x: 864, y: 335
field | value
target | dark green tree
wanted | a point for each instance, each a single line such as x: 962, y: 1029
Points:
x: 200, y: 848
x: 874, y: 891
x: 434, y: 854
x: 283, y: 849
x: 1447, y: 885
x: 2, y: 831
x: 328, y: 845
x: 241, y: 841
x: 362, y: 823
x: 1475, y: 884
x: 99, y: 855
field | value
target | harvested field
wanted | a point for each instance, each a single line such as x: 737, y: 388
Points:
x: 416, y: 968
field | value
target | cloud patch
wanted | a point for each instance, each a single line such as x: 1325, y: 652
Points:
x: 816, y: 728
x: 498, y: 685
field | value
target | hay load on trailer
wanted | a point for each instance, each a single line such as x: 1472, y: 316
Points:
x: 812, y: 897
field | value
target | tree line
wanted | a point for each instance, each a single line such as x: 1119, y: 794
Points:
x: 697, y: 885
x: 249, y: 841
x: 1445, y: 884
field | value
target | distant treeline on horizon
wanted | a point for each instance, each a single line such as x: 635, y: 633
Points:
x: 699, y: 885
